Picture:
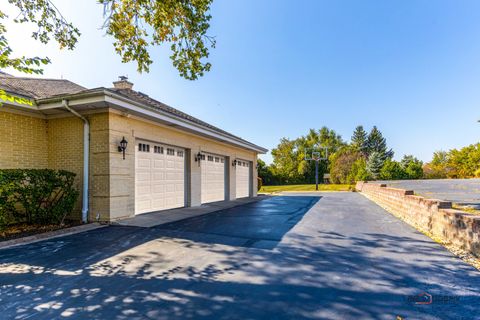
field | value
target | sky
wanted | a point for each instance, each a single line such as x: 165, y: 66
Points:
x: 412, y: 68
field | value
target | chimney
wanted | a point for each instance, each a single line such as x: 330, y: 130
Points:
x: 122, y: 83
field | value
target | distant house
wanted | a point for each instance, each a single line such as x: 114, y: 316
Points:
x: 171, y: 159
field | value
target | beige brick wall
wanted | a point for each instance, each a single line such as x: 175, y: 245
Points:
x: 65, y: 151
x: 58, y: 144
x: 432, y: 216
x: 23, y: 141
x: 122, y: 172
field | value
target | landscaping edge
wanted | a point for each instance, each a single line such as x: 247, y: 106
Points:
x: 435, y: 217
x: 50, y: 235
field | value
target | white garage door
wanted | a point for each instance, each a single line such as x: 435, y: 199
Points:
x: 159, y: 177
x: 243, y: 179
x: 213, y: 178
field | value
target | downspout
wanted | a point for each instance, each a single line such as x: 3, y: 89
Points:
x: 86, y: 148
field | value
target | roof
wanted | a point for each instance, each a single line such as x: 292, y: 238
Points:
x: 38, y: 88
x: 42, y: 90
x: 145, y: 99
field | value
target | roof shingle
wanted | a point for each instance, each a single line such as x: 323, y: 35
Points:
x: 38, y: 88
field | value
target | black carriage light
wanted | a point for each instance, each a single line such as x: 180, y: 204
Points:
x: 123, y: 146
x: 198, y: 157
x: 234, y: 163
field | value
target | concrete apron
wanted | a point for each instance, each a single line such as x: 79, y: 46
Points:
x: 152, y: 219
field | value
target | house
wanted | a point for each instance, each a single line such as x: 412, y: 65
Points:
x: 132, y: 154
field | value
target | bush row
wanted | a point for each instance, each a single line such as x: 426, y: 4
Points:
x: 36, y: 196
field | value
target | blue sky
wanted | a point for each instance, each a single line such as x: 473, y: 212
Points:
x: 280, y: 67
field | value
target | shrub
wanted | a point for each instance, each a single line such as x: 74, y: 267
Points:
x: 36, y: 196
x: 392, y: 170
x: 359, y: 171
x: 259, y: 183
x: 341, y: 166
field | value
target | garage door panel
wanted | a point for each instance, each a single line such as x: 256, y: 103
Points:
x: 159, y: 178
x: 143, y: 163
x: 159, y: 164
x: 213, y: 178
x: 143, y: 176
x: 243, y: 177
x: 158, y: 188
x: 143, y: 190
x: 159, y: 202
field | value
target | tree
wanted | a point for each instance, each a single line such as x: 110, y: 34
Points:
x: 359, y: 171
x: 359, y: 140
x: 377, y: 143
x: 265, y: 173
x: 463, y: 163
x: 135, y: 26
x: 374, y: 164
x: 412, y: 167
x: 392, y: 170
x: 314, y: 141
x: 341, y: 165
x: 286, y: 162
x: 438, y: 167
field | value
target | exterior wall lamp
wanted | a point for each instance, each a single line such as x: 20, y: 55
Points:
x: 123, y: 146
x: 198, y: 157
x: 234, y: 163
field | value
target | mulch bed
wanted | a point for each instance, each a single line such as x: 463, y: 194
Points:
x: 23, y: 230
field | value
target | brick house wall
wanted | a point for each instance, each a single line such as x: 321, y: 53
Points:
x: 24, y: 141
x: 122, y: 172
x: 57, y: 143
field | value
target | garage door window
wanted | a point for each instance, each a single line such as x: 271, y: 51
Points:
x: 142, y: 147
x: 180, y: 153
x: 157, y: 149
x: 170, y: 152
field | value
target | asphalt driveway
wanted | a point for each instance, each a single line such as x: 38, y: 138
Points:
x: 334, y: 256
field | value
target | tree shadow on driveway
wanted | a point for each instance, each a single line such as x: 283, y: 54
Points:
x: 307, y: 275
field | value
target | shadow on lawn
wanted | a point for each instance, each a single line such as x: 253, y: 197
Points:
x: 321, y: 276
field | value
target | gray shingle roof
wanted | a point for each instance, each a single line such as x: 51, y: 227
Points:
x: 38, y: 88
x: 146, y: 100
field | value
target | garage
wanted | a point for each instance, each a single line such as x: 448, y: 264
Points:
x: 159, y: 177
x: 213, y: 178
x: 243, y: 179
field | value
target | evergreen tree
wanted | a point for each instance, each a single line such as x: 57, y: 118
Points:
x: 375, y: 164
x: 359, y: 140
x: 412, y: 166
x: 377, y: 143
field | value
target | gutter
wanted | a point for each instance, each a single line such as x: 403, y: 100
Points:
x: 107, y: 96
x: 86, y: 148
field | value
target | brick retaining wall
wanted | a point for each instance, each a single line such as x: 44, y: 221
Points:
x: 431, y: 215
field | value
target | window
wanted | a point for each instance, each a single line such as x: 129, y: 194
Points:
x: 158, y: 149
x: 239, y: 163
x: 180, y: 153
x: 217, y: 159
x: 222, y: 160
x: 142, y: 147
x: 210, y: 158
x: 170, y: 152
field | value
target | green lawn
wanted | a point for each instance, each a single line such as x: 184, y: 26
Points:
x: 306, y: 187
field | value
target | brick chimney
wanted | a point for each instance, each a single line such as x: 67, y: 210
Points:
x: 122, y: 83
